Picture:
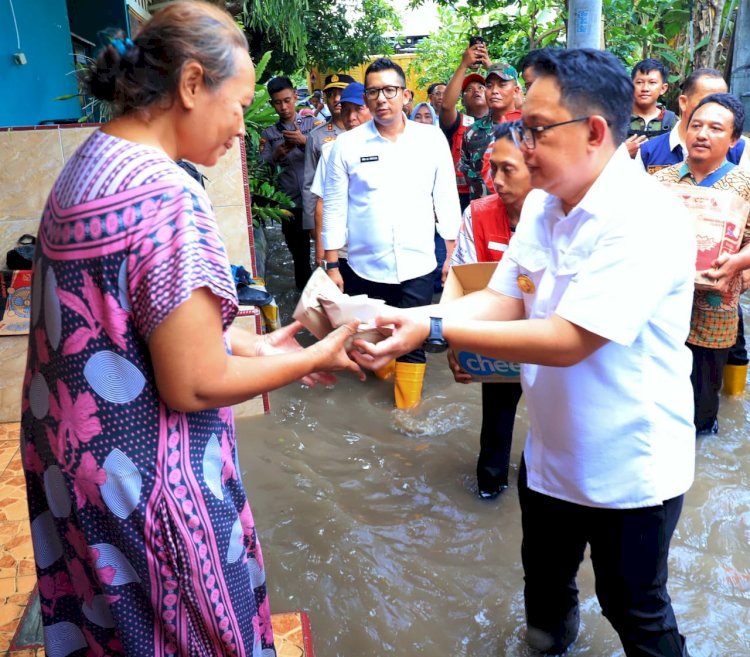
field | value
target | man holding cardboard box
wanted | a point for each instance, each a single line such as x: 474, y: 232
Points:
x: 598, y: 314
x: 712, y: 129
x: 488, y: 225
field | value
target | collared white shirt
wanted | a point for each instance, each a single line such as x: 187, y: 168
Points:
x: 384, y: 197
x: 318, y: 184
x: 615, y: 430
x: 319, y: 180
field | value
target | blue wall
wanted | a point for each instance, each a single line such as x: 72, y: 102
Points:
x: 28, y: 92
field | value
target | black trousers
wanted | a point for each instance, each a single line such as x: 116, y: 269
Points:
x: 407, y: 294
x: 707, y: 376
x: 499, y: 403
x: 629, y: 550
x: 298, y: 242
x: 738, y: 352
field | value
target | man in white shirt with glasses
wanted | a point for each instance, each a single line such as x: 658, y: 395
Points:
x: 388, y: 182
x: 593, y: 296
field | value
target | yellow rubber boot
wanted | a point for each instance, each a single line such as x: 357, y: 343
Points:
x: 408, y: 384
x: 734, y: 379
x: 386, y: 372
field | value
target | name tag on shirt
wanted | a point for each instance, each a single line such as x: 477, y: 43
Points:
x: 369, y: 158
x: 497, y: 246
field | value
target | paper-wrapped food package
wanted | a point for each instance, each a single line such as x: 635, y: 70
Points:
x: 720, y: 218
x: 323, y: 307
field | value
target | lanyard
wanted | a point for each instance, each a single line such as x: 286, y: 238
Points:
x: 717, y: 175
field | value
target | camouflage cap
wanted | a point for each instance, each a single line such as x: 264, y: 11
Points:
x: 502, y: 70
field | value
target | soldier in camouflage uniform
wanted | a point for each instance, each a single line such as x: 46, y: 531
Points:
x: 501, y: 82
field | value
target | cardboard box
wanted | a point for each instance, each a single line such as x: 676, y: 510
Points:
x: 720, y: 218
x: 463, y: 279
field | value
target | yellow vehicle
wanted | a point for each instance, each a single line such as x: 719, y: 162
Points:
x: 315, y: 78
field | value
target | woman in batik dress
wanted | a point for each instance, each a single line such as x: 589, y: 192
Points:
x: 143, y: 538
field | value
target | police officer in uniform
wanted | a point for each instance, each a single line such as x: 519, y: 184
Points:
x: 333, y: 86
x: 283, y: 144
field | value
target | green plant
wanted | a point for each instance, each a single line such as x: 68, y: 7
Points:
x: 93, y: 110
x: 268, y: 203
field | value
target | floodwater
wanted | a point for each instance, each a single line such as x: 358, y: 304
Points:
x: 370, y: 522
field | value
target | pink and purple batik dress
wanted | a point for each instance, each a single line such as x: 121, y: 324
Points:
x: 143, y: 538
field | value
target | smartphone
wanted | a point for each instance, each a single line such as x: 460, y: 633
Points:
x: 475, y: 40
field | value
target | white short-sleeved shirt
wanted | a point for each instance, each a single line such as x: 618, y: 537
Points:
x: 615, y: 430
x: 318, y: 184
x: 384, y: 198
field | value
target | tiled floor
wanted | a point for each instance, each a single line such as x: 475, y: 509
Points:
x: 17, y: 575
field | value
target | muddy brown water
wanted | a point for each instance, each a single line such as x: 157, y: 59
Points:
x: 370, y: 522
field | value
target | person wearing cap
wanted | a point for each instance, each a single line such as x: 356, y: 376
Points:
x: 501, y: 83
x: 334, y: 84
x: 283, y: 144
x: 354, y: 112
x: 454, y: 123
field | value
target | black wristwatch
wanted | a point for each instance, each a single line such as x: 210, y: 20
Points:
x: 325, y: 265
x: 435, y: 342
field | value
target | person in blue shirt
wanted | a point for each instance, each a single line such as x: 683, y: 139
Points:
x: 669, y: 148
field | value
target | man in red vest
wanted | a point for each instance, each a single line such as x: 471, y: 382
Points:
x: 488, y: 224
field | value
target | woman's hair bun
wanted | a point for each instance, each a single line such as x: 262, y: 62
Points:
x: 136, y: 74
x: 102, y: 76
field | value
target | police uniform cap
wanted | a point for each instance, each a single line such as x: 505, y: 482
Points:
x: 336, y: 81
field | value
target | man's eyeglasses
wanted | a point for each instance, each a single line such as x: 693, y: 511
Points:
x: 389, y: 92
x: 528, y: 134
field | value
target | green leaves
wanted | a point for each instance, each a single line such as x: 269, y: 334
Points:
x: 329, y: 34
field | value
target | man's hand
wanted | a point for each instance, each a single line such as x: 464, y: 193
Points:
x: 294, y: 137
x: 634, y: 143
x: 282, y: 150
x: 460, y: 375
x: 410, y: 329
x: 475, y: 56
x: 445, y: 269
x: 335, y: 276
x: 723, y: 270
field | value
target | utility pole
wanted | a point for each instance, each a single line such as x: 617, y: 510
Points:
x: 739, y: 80
x: 584, y: 23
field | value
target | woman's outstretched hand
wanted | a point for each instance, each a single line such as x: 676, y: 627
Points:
x: 329, y: 353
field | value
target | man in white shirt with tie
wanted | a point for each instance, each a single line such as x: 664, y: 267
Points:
x: 388, y: 182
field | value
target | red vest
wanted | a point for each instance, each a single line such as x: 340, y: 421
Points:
x: 458, y: 137
x: 489, y: 219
